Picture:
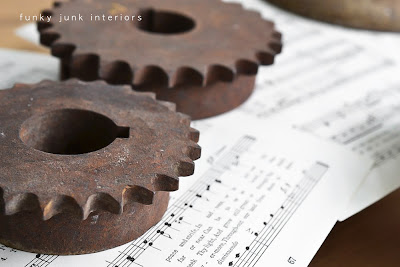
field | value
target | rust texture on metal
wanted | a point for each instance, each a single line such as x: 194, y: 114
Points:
x: 381, y: 15
x: 87, y: 166
x: 202, y: 55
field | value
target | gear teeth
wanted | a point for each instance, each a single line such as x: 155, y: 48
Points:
x: 151, y: 76
x: 76, y: 81
x: 85, y: 67
x: 193, y: 151
x: 169, y: 105
x: 237, y: 6
x: 101, y: 202
x: 42, y: 25
x: 185, y: 119
x: 246, y: 67
x: 62, y: 49
x: 139, y: 194
x: 164, y: 182
x: 265, y: 58
x: 97, y: 202
x: 59, y: 3
x: 45, y: 82
x: 117, y: 72
x: 185, y: 167
x: 48, y: 36
x: 277, y: 36
x: 99, y: 82
x: 276, y: 46
x: 19, y: 86
x: 128, y: 88
x: 256, y: 14
x: 62, y: 204
x: 148, y: 94
x: 47, y: 12
x: 270, y: 24
x: 218, y: 73
x: 187, y: 76
x: 194, y: 135
x: 22, y: 202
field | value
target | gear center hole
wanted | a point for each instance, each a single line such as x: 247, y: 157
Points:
x: 164, y: 22
x: 70, y: 132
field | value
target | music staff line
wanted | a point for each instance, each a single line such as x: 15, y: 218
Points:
x: 278, y: 220
x: 363, y: 104
x: 38, y: 261
x: 189, y: 197
x: 372, y: 119
x: 259, y: 240
x: 315, y: 66
x: 251, y: 255
x: 296, y: 204
x: 321, y: 90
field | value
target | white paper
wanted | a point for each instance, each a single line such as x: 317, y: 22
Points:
x: 29, y: 32
x: 369, y: 124
x: 25, y: 67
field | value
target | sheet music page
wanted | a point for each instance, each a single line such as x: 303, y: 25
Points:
x: 259, y: 197
x: 25, y: 67
x: 368, y: 124
x: 322, y: 70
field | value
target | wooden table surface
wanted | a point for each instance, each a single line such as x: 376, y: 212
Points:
x: 370, y: 238
x: 10, y: 11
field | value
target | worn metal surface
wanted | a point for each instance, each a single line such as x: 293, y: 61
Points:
x: 87, y: 166
x: 202, y: 55
x: 381, y: 15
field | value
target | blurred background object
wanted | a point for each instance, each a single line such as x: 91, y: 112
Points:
x: 381, y: 15
x: 9, y: 21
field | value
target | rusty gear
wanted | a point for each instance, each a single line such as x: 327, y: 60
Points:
x: 87, y: 166
x: 202, y: 55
